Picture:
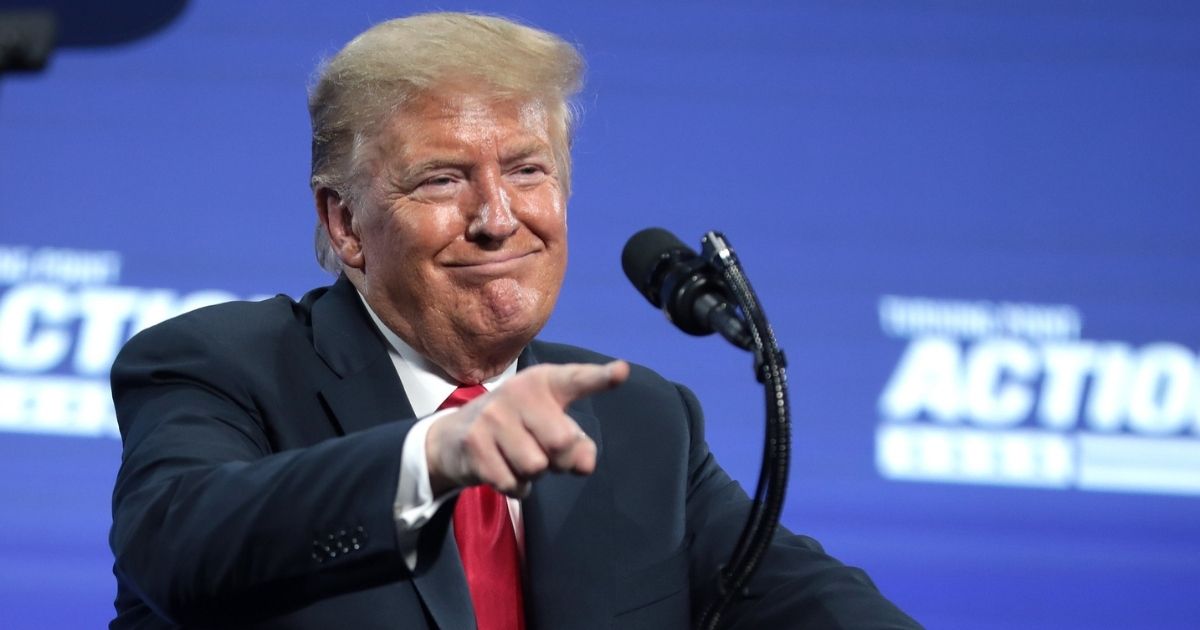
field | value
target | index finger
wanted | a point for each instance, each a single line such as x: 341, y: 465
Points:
x: 573, y: 381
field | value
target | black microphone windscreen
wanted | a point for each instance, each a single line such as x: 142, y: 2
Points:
x: 642, y: 254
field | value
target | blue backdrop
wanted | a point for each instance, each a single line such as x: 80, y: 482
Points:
x: 974, y: 226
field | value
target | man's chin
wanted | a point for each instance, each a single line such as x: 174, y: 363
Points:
x: 485, y: 348
x: 508, y: 327
x: 514, y: 331
x: 507, y: 303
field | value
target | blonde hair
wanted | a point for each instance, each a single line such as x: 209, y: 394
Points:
x: 357, y: 90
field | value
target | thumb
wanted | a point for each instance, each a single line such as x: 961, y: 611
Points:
x: 573, y: 381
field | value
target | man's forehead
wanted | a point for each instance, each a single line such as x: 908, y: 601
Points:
x: 454, y: 102
x: 469, y: 115
x: 451, y: 126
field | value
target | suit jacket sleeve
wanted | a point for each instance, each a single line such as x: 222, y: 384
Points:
x: 210, y: 522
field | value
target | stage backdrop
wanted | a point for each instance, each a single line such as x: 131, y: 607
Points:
x: 974, y: 226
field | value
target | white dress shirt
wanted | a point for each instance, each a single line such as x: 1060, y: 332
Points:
x: 427, y: 387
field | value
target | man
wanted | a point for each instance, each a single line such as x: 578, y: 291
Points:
x: 293, y: 465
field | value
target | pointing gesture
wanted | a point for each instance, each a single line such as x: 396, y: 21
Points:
x: 509, y: 437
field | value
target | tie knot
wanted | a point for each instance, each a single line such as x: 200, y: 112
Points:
x: 463, y: 395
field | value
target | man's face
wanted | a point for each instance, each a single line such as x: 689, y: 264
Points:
x: 463, y: 228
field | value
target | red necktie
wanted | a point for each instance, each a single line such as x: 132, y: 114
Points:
x: 488, y: 546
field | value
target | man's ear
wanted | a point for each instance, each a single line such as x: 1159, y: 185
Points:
x: 337, y: 219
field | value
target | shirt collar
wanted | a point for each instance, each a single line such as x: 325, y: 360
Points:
x: 426, y: 384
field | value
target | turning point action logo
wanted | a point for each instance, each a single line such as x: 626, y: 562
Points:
x: 63, y: 318
x: 1011, y: 394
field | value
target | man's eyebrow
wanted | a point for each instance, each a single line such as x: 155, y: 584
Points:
x: 519, y: 152
x: 526, y: 150
x: 433, y: 164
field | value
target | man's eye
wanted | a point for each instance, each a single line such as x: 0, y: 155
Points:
x: 441, y: 180
x: 528, y: 171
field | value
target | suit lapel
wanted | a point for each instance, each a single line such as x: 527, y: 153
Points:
x: 368, y: 393
x: 566, y: 535
x: 439, y: 576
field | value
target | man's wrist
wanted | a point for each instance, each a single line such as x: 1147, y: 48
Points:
x: 415, y: 494
x: 438, y: 483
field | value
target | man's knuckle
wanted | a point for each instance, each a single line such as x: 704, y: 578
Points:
x: 487, y: 414
x: 475, y: 442
x: 560, y: 437
x: 533, y: 463
x: 492, y: 420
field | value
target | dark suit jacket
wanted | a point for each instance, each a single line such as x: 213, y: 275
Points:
x: 261, y: 453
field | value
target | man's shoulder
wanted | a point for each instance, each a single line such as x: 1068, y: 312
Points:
x: 552, y: 352
x: 237, y: 324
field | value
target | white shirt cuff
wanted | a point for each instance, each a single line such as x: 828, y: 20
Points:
x: 415, y: 503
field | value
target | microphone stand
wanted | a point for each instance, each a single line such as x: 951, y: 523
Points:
x: 770, y: 370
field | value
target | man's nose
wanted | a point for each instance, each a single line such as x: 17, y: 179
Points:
x: 493, y: 219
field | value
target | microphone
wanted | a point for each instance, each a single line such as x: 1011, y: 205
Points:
x: 685, y: 286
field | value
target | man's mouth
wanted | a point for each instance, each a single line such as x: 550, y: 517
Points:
x: 494, y: 265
